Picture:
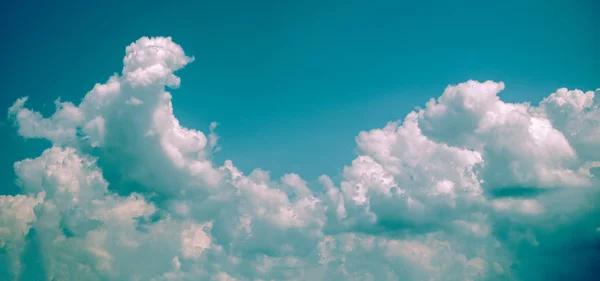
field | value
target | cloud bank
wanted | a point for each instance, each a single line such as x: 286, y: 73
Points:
x: 466, y: 188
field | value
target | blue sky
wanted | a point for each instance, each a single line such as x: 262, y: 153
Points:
x: 288, y: 80
x: 489, y: 182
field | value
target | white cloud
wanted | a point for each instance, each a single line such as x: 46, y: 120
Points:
x: 60, y: 128
x: 467, y: 188
x: 576, y: 115
x: 16, y: 219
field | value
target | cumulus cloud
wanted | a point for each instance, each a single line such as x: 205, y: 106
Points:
x: 467, y: 188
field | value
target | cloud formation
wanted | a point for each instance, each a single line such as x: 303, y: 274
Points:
x: 467, y: 188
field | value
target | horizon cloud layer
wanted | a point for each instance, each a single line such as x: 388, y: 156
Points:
x: 469, y: 187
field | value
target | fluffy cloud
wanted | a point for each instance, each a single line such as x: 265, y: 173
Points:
x: 467, y: 188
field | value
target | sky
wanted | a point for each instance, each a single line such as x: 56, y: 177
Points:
x: 302, y: 91
x: 287, y: 79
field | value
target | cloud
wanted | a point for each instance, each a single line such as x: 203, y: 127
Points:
x: 467, y: 188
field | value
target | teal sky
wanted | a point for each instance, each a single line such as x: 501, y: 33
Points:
x: 291, y: 81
